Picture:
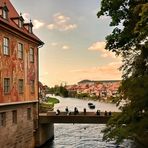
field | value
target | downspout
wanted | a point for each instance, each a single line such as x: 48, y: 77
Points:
x: 37, y: 143
x: 38, y: 75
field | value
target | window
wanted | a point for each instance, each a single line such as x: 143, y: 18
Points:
x: 21, y: 86
x: 6, y: 85
x: 5, y: 13
x: 28, y: 113
x: 2, y: 119
x: 30, y: 29
x: 14, y: 116
x: 31, y: 54
x: 20, y: 51
x: 20, y: 24
x: 6, y: 46
x: 32, y: 86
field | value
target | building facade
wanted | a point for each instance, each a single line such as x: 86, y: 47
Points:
x: 18, y: 79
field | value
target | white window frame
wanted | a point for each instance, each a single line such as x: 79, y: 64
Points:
x: 5, y: 13
x: 6, y: 50
x: 20, y: 50
x: 31, y: 55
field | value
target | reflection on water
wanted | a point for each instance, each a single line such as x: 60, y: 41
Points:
x: 81, y: 135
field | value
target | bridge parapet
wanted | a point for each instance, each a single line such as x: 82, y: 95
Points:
x: 88, y: 118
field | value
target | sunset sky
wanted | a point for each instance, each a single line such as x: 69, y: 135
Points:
x: 74, y: 40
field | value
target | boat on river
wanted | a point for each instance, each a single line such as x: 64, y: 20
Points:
x: 91, y: 105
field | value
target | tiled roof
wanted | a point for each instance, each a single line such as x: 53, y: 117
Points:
x: 14, y: 14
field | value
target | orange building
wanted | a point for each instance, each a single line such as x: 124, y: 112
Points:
x: 18, y: 78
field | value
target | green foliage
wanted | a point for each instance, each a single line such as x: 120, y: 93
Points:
x: 130, y: 42
x: 53, y: 101
x: 83, y: 95
x: 44, y: 107
x: 59, y: 91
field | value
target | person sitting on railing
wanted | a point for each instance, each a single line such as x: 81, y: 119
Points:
x: 66, y: 109
x: 105, y: 113
x: 69, y: 113
x: 76, y: 111
x: 84, y: 111
x: 98, y: 112
x: 110, y: 113
x: 58, y: 112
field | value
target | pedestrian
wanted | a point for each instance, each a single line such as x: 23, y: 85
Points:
x: 84, y: 111
x: 105, y: 113
x: 110, y: 113
x: 58, y: 112
x: 76, y: 111
x: 66, y: 109
x: 98, y: 112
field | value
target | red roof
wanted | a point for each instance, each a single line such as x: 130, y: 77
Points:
x: 14, y: 14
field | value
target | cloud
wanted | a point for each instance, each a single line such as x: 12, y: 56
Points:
x: 61, y: 23
x: 37, y: 23
x: 60, y: 45
x: 100, y: 46
x: 26, y: 17
x: 65, y: 47
x: 109, y: 71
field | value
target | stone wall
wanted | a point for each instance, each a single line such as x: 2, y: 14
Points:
x: 20, y: 134
x: 44, y: 134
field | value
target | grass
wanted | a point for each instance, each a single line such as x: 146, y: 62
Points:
x: 45, y: 107
x: 53, y: 101
x: 48, y: 105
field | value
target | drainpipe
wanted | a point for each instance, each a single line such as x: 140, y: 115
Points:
x: 38, y: 74
x: 38, y: 139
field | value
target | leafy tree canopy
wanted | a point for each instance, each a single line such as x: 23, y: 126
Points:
x: 129, y: 39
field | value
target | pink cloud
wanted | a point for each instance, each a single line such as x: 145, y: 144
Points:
x: 100, y: 46
x: 61, y: 23
x: 109, y: 71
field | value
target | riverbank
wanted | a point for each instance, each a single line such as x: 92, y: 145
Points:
x: 110, y: 99
x: 104, y: 100
x: 48, y: 104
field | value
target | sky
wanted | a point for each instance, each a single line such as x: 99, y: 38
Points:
x: 74, y: 40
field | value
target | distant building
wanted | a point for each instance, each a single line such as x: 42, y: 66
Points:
x: 103, y: 88
x: 18, y: 79
x: 86, y: 82
x: 97, y: 82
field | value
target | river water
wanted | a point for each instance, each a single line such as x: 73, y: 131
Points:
x: 81, y: 135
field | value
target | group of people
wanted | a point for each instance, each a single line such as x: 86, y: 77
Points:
x: 76, y: 112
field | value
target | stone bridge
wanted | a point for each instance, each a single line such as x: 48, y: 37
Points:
x: 80, y: 118
x: 47, y: 120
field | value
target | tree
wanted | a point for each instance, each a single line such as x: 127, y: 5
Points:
x: 129, y: 39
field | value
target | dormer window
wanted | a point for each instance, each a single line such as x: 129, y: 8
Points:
x: 20, y: 24
x: 18, y: 21
x: 21, y: 21
x: 5, y: 14
x: 29, y: 26
x: 30, y: 29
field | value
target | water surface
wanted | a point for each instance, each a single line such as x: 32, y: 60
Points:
x: 82, y: 135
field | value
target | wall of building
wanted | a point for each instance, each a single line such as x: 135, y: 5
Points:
x: 15, y: 69
x: 20, y: 134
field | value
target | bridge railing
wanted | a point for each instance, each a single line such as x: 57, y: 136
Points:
x: 81, y: 117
